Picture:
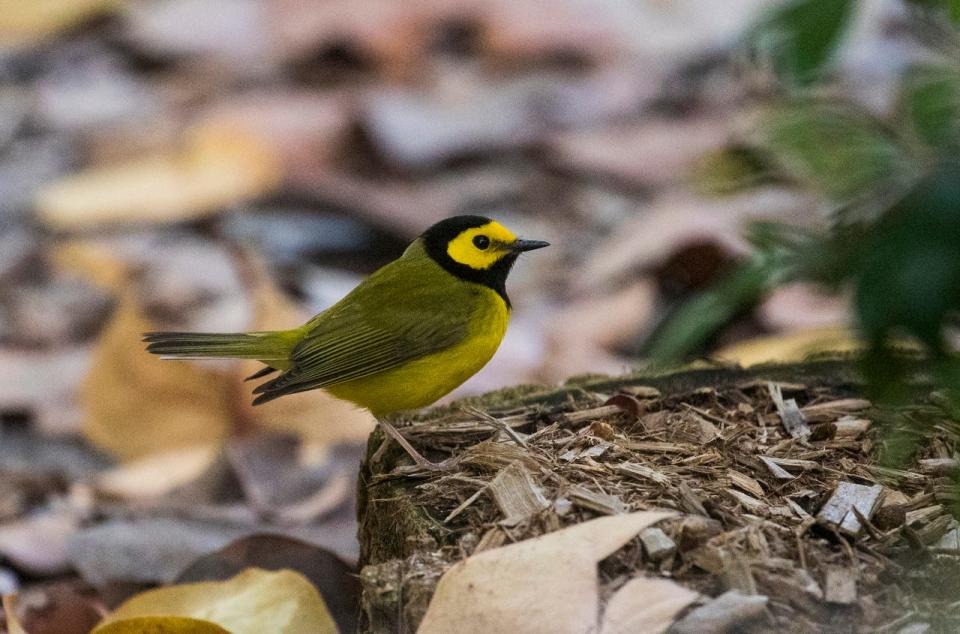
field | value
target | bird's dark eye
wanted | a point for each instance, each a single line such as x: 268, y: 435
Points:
x: 481, y: 242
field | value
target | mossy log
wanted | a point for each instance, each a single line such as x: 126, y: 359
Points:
x: 404, y: 542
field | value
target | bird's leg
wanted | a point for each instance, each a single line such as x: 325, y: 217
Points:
x: 422, y: 462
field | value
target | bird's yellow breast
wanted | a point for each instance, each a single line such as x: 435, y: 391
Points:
x: 422, y: 381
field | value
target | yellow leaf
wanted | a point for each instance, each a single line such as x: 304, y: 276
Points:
x: 136, y: 404
x: 546, y: 584
x: 253, y: 602
x: 219, y: 167
x: 10, y: 609
x: 790, y: 347
x: 22, y: 22
x: 161, y: 625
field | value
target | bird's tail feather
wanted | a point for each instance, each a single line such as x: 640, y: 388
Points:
x: 263, y: 346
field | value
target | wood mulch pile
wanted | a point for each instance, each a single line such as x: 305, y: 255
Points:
x: 776, y: 475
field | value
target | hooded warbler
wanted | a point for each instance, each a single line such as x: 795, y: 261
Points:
x: 407, y: 335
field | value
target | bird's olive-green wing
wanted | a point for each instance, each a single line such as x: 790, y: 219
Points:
x: 409, y: 309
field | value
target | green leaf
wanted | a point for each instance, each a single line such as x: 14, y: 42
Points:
x: 909, y: 280
x: 834, y: 148
x: 697, y: 320
x: 932, y: 104
x: 801, y: 37
x: 950, y: 7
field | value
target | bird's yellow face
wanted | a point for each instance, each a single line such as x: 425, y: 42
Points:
x: 482, y: 247
x: 476, y: 249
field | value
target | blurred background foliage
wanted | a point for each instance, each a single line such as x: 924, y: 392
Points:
x: 888, y: 186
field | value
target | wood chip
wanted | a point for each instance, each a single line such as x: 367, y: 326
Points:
x: 745, y: 482
x: 661, y: 447
x: 840, y: 585
x: 852, y: 428
x: 598, y: 502
x: 923, y: 515
x: 896, y: 475
x: 656, y: 544
x: 830, y: 411
x: 493, y: 538
x: 936, y: 529
x: 838, y: 509
x: 940, y: 466
x: 752, y: 504
x: 516, y: 494
x: 587, y: 415
x: 794, y: 464
x: 950, y: 540
x: 690, y: 501
x: 642, y: 472
x: 778, y: 471
x: 799, y: 510
x: 790, y: 414
x: 726, y: 613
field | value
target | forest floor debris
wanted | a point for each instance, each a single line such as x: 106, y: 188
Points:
x: 796, y: 533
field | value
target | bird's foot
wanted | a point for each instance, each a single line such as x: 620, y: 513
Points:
x: 417, y: 457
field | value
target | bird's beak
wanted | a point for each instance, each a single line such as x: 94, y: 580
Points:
x: 519, y: 246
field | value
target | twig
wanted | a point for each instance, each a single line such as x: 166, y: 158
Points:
x: 496, y: 424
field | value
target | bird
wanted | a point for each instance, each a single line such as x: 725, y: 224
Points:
x: 403, y: 338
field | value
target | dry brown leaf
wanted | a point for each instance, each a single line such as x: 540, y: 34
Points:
x: 645, y: 605
x: 220, y: 165
x: 545, y: 584
x: 337, y: 581
x: 158, y: 473
x: 137, y: 404
x: 252, y: 602
x: 26, y: 22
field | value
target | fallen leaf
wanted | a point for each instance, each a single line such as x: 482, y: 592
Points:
x: 136, y: 404
x: 158, y: 473
x: 336, y: 580
x: 62, y: 607
x: 44, y: 384
x: 645, y: 605
x: 10, y: 609
x: 38, y: 544
x: 651, y: 154
x: 145, y: 550
x: 252, y: 602
x: 545, y: 584
x: 26, y: 22
x: 161, y: 625
x: 219, y: 166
